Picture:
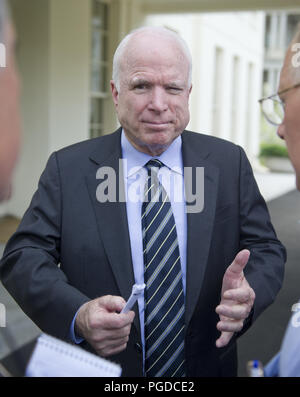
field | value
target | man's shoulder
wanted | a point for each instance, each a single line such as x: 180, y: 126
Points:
x: 101, y: 146
x: 215, y: 144
x: 79, y: 157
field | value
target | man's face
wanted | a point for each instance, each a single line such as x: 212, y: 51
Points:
x: 289, y: 130
x: 152, y: 103
x: 9, y: 116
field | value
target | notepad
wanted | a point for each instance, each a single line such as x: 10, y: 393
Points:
x: 55, y: 358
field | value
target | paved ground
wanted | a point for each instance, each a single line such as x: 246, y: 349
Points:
x: 273, y: 185
x: 264, y: 338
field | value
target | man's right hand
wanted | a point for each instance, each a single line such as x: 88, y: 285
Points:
x: 102, y: 325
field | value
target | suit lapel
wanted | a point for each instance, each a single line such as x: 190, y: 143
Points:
x: 200, y: 224
x: 111, y: 217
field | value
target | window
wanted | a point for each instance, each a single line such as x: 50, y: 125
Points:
x: 99, y: 79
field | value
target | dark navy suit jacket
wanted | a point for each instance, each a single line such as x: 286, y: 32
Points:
x: 70, y: 248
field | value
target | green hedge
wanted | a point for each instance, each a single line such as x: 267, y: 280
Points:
x: 273, y: 150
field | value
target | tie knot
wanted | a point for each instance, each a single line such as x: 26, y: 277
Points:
x: 154, y: 163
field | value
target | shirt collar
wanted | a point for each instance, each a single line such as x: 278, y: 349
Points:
x: 171, y: 157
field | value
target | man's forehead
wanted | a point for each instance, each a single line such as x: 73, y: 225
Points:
x: 286, y: 78
x: 152, y: 46
x: 152, y: 78
x: 155, y: 74
x: 154, y: 59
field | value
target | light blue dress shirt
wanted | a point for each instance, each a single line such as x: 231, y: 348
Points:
x: 171, y: 177
x: 287, y: 362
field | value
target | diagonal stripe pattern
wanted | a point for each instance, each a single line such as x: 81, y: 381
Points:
x: 164, y: 299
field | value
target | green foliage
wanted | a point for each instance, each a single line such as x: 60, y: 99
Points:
x: 273, y: 150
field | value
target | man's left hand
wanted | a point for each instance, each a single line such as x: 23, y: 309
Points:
x: 237, y: 299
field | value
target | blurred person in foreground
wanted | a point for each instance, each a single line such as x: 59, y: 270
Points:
x: 287, y: 362
x: 9, y: 108
x: 9, y: 105
x: 208, y: 272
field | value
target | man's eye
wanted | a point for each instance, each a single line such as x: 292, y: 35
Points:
x: 174, y: 89
x: 140, y: 86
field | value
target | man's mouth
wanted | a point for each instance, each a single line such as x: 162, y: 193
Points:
x: 157, y: 124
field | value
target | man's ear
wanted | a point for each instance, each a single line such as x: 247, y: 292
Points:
x: 189, y: 93
x: 114, y: 92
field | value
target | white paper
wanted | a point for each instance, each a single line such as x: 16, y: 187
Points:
x: 55, y: 358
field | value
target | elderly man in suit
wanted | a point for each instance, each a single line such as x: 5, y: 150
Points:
x: 9, y: 104
x: 86, y: 239
x: 287, y: 361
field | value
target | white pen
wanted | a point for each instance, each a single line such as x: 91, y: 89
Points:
x: 137, y: 291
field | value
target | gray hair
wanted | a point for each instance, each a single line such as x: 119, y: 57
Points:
x: 151, y: 29
x: 3, y: 17
x: 295, y: 57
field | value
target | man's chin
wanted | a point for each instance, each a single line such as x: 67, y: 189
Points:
x: 152, y: 142
x: 156, y: 146
x: 159, y: 138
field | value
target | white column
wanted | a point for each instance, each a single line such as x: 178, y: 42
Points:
x: 249, y: 113
x: 241, y: 108
x: 273, y: 31
x: 31, y: 18
x: 218, y: 86
x: 202, y: 94
x: 226, y: 95
x: 235, y: 97
x: 254, y: 140
x: 69, y: 72
x: 283, y: 31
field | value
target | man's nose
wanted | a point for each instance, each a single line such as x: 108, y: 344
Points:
x: 158, y: 101
x: 280, y: 131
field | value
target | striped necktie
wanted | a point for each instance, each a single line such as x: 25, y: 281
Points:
x: 164, y: 298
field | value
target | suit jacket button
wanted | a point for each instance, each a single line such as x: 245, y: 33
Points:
x: 138, y: 347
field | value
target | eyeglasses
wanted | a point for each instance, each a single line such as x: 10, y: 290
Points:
x: 273, y: 107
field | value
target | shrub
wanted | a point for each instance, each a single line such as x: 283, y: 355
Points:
x: 273, y: 150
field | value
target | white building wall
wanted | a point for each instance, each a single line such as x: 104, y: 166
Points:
x: 69, y: 72
x: 31, y: 18
x: 53, y: 55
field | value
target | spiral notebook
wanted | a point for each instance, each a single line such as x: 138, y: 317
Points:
x: 55, y: 358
